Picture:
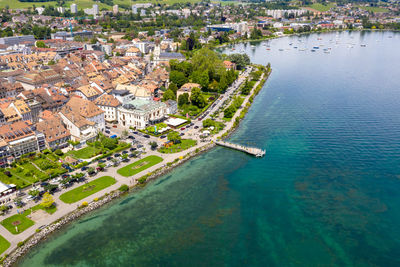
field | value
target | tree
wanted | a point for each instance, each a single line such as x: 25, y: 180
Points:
x: 34, y: 193
x: 124, y: 133
x: 201, y: 77
x: 197, y: 98
x: 153, y: 145
x: 173, y: 87
x: 241, y: 60
x: 174, y: 137
x: 40, y: 44
x: 47, y: 200
x: 169, y: 94
x: 208, y: 60
x: 50, y: 187
x: 110, y: 143
x: 229, y: 111
x: 3, y: 209
x: 178, y: 78
x: 58, y: 152
x: 183, y: 99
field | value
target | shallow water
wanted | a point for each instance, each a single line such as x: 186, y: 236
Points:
x: 327, y: 192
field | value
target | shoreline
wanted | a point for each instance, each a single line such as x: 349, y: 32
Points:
x: 226, y: 45
x: 17, y: 253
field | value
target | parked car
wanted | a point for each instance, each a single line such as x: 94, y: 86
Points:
x: 125, y: 160
x: 84, y: 168
x: 65, y: 176
x: 107, y: 127
x: 117, y: 155
x: 146, y: 135
x: 124, y: 152
x: 139, y: 146
x: 182, y: 134
x: 114, y: 126
x: 183, y: 128
x: 132, y: 149
x: 109, y: 158
x: 135, y: 132
x: 132, y: 155
x: 102, y: 161
x: 131, y: 137
x: 92, y: 173
x: 196, y: 127
x: 163, y: 136
x: 107, y: 131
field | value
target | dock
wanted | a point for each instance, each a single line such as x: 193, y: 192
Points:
x: 257, y: 152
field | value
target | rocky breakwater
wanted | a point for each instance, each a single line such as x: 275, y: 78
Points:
x: 44, y: 233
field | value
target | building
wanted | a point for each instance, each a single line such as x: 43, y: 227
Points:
x: 88, y: 92
x: 15, y: 40
x: 95, y: 9
x: 20, y: 139
x: 88, y: 110
x: 68, y: 36
x: 109, y: 104
x: 33, y: 80
x: 56, y: 135
x: 81, y: 129
x: 115, y: 9
x: 139, y: 113
x: 187, y: 88
x: 74, y: 8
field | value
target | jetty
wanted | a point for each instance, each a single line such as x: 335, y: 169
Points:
x: 249, y: 150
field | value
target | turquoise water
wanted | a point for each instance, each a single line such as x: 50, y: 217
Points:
x: 327, y: 192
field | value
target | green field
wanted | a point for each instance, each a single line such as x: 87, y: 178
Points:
x: 185, y: 144
x: 24, y: 223
x: 139, y: 166
x: 374, y: 9
x: 4, y: 244
x: 84, y: 153
x: 321, y: 7
x: 88, y: 189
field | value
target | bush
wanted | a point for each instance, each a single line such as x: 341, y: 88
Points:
x: 84, y: 204
x: 123, y: 188
x: 58, y: 152
x: 142, y: 180
x: 96, y: 199
x: 20, y: 244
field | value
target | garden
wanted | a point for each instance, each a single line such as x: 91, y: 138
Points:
x: 139, y: 166
x: 32, y: 168
x: 183, y: 144
x: 103, y: 145
x: 88, y: 189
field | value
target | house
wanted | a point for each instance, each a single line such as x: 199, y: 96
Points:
x: 229, y: 65
x: 109, y: 104
x: 56, y: 135
x: 88, y: 110
x: 88, y: 92
x: 187, y: 88
x: 33, y: 80
x: 81, y: 129
x: 133, y: 52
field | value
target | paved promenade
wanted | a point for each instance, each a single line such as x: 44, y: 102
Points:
x: 64, y: 209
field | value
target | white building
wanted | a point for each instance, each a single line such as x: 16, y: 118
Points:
x: 139, y: 113
x: 109, y: 104
x: 95, y: 9
x: 74, y: 8
x: 115, y: 9
x: 61, y: 9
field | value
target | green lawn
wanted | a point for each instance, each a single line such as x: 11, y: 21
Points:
x: 87, y: 189
x: 4, y: 244
x: 50, y: 210
x: 85, y: 153
x: 24, y: 223
x: 139, y: 166
x: 321, y: 7
x: 374, y: 9
x: 185, y: 144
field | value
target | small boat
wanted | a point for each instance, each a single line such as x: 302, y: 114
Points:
x: 316, y: 47
x: 294, y: 47
x: 313, y: 50
x: 319, y: 38
x: 280, y: 49
x: 327, y: 52
x: 363, y: 45
x: 253, y: 46
x: 268, y: 48
x: 302, y: 49
x: 290, y: 43
x: 390, y: 36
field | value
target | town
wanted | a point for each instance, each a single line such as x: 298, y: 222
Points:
x: 96, y: 98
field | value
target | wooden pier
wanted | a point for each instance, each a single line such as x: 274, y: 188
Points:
x: 249, y: 150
